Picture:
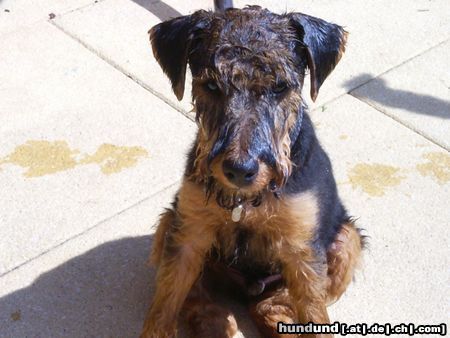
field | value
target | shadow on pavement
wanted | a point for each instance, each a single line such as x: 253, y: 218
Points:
x: 160, y: 9
x: 397, y: 98
x: 104, y: 292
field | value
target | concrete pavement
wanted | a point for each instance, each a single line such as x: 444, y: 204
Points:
x: 93, y: 146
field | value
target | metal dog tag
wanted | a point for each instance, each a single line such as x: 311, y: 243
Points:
x: 236, y: 213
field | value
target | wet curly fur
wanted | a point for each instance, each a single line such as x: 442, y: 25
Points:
x: 248, y: 68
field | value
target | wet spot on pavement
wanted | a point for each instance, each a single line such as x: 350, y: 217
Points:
x: 374, y: 178
x: 41, y: 157
x: 437, y: 167
x: 113, y: 159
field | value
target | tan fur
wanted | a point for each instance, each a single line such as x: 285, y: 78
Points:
x: 343, y: 258
x: 342, y: 46
x: 283, y: 227
x: 273, y: 308
x: 205, y: 318
x: 282, y: 231
x: 185, y: 247
x: 165, y: 222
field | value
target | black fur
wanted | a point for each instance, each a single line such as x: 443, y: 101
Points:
x: 318, y: 42
x: 324, y: 42
x: 313, y: 171
x: 206, y: 40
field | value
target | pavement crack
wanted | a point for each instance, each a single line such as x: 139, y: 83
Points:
x: 392, y: 116
x: 96, y: 2
x: 350, y: 90
x: 87, y: 230
x: 122, y: 70
x: 398, y: 65
x: 403, y: 123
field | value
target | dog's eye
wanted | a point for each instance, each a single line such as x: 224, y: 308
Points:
x: 212, y: 86
x: 280, y: 87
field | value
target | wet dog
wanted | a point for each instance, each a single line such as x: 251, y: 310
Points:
x: 258, y: 207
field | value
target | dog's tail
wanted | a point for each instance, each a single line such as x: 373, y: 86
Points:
x: 222, y: 5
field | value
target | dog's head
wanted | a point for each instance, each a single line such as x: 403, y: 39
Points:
x: 248, y: 67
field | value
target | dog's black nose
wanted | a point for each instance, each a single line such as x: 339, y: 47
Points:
x: 241, y: 173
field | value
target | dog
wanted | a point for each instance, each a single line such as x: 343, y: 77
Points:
x: 258, y: 208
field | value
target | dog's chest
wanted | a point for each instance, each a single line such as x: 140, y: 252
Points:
x: 253, y: 253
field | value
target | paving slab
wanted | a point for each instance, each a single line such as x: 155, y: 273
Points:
x: 397, y: 184
x: 121, y: 37
x: 97, y: 285
x: 417, y: 93
x: 80, y: 142
x: 379, y: 40
x: 15, y: 14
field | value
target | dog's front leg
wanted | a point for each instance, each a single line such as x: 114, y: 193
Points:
x: 181, y: 263
x: 307, y: 285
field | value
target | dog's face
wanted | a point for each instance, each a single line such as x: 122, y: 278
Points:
x: 248, y: 68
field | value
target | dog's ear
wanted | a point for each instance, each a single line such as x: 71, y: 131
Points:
x: 324, y: 43
x: 171, y: 42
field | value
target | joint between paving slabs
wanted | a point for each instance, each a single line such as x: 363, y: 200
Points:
x: 403, y: 123
x: 119, y: 68
x: 87, y: 230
